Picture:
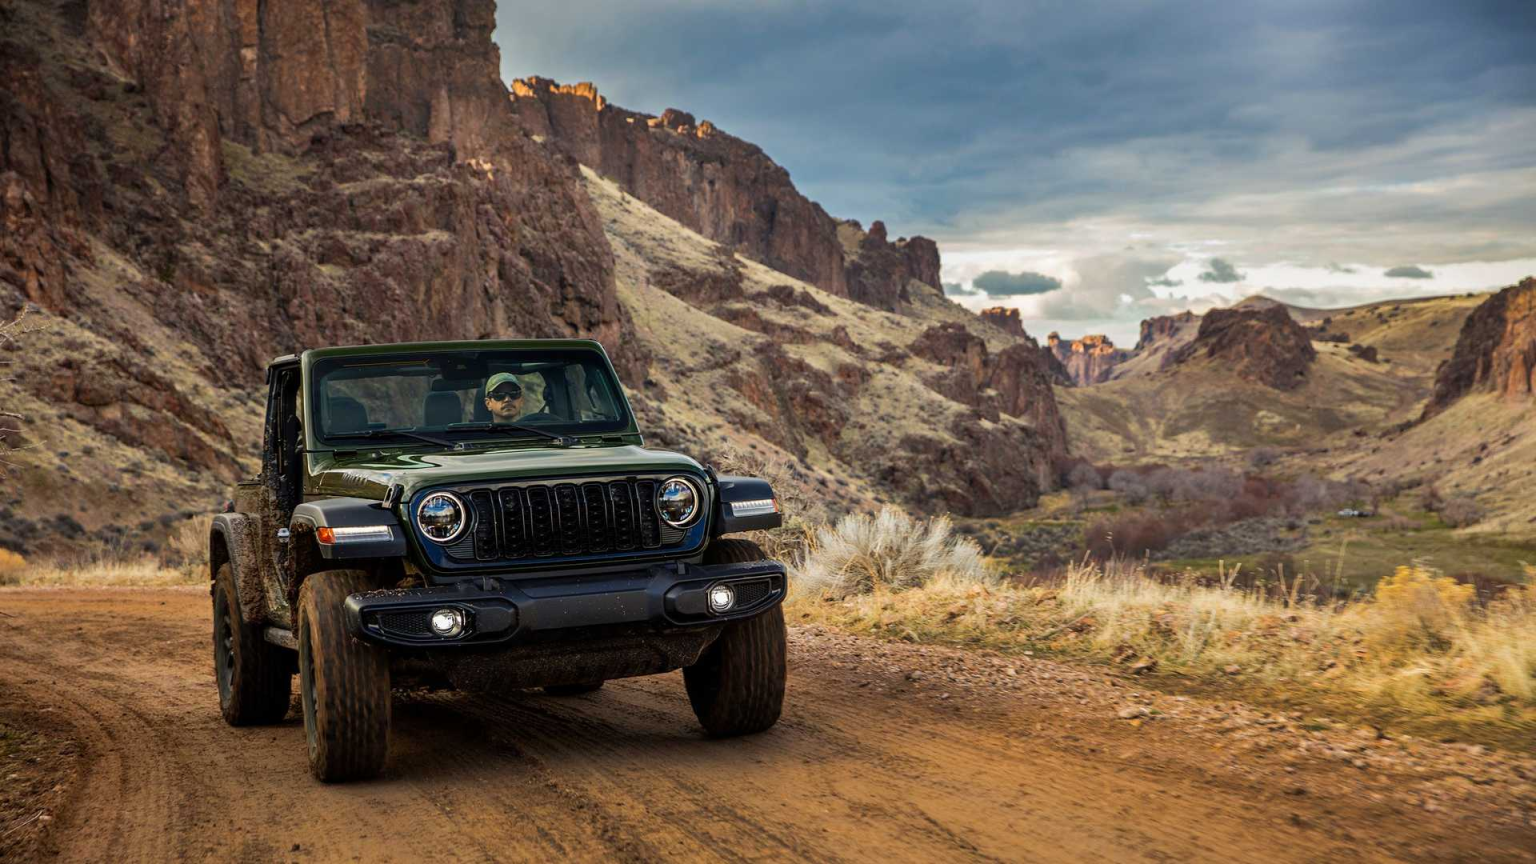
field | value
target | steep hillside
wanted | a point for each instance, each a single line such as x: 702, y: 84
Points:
x: 942, y: 412
x: 1496, y: 351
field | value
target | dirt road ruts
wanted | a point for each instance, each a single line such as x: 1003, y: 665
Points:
x: 865, y: 766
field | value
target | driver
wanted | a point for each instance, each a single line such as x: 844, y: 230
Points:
x: 504, y: 397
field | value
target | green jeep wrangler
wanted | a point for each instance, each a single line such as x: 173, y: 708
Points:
x: 481, y: 515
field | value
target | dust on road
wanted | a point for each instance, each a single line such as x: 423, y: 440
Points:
x: 865, y: 766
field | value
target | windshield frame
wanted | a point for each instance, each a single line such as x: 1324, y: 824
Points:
x: 317, y: 364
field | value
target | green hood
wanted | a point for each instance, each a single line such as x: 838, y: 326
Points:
x: 369, y: 475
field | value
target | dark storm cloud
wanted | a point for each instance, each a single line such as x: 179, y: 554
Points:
x: 958, y: 289
x: 1409, y: 272
x: 949, y: 118
x: 1164, y: 282
x: 1000, y: 283
x: 1221, y: 270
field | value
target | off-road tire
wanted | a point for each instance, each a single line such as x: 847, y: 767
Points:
x: 573, y: 689
x: 253, y: 676
x: 737, y: 686
x: 343, y: 683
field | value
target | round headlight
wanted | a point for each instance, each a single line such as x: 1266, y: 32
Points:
x: 678, y: 502
x: 441, y: 517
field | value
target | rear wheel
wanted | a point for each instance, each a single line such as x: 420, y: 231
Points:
x: 737, y: 686
x: 253, y: 677
x: 573, y: 689
x: 343, y: 683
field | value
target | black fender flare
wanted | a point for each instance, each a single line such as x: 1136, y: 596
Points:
x: 311, y: 516
x: 745, y: 504
x: 233, y: 539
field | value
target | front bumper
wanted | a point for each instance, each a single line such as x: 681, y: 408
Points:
x: 529, y: 609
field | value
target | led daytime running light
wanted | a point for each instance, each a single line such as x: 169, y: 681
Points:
x: 356, y: 534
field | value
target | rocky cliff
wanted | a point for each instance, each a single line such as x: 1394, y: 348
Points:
x: 728, y: 190
x: 1495, y: 352
x: 187, y: 190
x: 1263, y: 345
x: 1088, y: 360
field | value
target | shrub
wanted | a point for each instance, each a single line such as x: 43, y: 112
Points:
x: 1461, y: 512
x: 890, y: 551
x: 1130, y: 535
x: 1085, y: 476
x: 1263, y: 457
x: 11, y: 566
x: 1131, y: 485
x: 1430, y: 499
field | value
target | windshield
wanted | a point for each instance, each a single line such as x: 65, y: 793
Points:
x: 570, y: 392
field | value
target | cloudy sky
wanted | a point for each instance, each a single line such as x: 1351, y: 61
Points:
x: 1097, y: 163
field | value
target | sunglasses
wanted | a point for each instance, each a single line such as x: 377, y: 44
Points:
x: 504, y: 395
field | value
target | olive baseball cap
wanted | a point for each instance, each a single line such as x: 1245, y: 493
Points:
x: 501, y: 378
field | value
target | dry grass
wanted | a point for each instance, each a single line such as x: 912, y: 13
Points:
x: 889, y: 551
x: 1420, y: 647
x: 182, y: 560
x: 146, y: 572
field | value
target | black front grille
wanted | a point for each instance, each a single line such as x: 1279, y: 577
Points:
x: 564, y: 519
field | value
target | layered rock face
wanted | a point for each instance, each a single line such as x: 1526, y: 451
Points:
x: 727, y: 190
x: 1164, y: 328
x: 1496, y: 351
x: 1263, y: 345
x: 192, y: 189
x: 1088, y: 360
x: 1015, y: 381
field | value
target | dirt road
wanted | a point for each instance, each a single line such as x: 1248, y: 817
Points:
x: 868, y: 764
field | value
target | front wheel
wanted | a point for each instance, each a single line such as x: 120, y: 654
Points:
x: 343, y: 683
x: 737, y: 686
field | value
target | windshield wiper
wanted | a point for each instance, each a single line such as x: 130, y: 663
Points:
x: 386, y: 433
x: 560, y: 440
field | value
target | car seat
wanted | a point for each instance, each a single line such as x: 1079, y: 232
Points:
x: 347, y: 415
x: 442, y: 409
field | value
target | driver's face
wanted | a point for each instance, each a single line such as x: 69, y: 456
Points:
x: 504, y: 406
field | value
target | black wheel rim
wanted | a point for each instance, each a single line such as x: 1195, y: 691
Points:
x: 307, y: 685
x: 223, y: 647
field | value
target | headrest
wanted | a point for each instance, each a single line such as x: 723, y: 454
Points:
x: 441, y: 409
x: 347, y: 415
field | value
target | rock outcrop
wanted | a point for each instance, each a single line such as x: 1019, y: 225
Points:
x: 726, y: 189
x: 1496, y: 351
x: 1263, y: 345
x: 1088, y: 360
x: 1165, y: 328
x: 1005, y: 318
x: 1015, y: 382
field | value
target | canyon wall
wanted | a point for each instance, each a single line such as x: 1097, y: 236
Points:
x: 1495, y: 352
x: 1088, y: 360
x: 726, y: 189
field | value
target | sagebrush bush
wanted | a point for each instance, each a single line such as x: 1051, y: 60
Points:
x: 890, y: 551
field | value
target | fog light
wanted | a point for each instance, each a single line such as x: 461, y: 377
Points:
x: 448, y: 622
x: 721, y: 599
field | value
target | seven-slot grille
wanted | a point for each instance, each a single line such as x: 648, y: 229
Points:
x: 564, y: 519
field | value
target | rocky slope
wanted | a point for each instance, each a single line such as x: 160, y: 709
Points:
x: 1089, y: 360
x: 1496, y: 351
x: 187, y: 193
x: 940, y: 411
x: 1265, y: 346
x: 728, y: 190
